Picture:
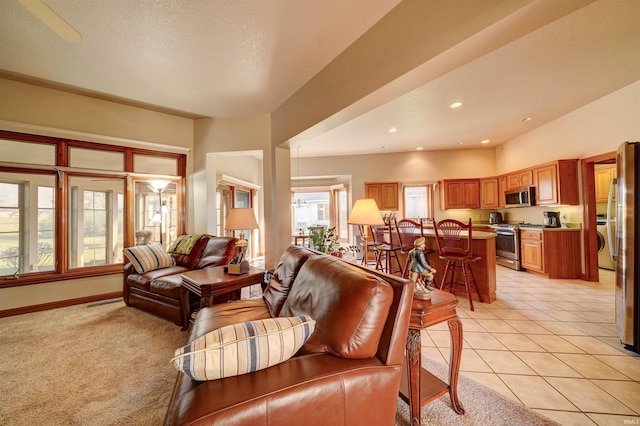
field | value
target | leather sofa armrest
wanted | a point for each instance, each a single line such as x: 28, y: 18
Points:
x: 340, y: 386
x: 128, y: 270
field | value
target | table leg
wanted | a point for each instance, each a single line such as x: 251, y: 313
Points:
x: 186, y: 307
x: 455, y: 328
x: 414, y: 367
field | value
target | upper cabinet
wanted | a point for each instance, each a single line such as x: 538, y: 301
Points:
x: 489, y: 193
x: 519, y: 179
x: 459, y: 194
x: 557, y: 183
x: 604, y: 174
x: 385, y: 194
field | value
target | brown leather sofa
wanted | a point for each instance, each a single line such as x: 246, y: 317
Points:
x: 347, y: 373
x: 158, y: 291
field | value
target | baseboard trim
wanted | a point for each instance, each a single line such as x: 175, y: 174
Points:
x: 59, y: 304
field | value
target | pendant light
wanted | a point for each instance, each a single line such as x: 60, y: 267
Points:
x: 298, y: 203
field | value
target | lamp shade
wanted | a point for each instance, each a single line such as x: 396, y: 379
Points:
x: 365, y: 212
x: 241, y: 219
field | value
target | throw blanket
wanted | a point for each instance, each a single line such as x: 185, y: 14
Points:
x: 184, y: 244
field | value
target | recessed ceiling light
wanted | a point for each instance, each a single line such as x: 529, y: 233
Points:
x: 525, y: 119
x: 383, y: 147
x: 460, y: 143
x: 485, y: 141
x: 419, y: 148
x: 456, y: 104
x: 392, y: 130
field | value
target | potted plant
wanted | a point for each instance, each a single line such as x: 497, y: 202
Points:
x: 328, y: 241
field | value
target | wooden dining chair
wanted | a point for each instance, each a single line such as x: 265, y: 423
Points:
x: 458, y: 255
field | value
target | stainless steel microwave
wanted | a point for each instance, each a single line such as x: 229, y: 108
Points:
x: 522, y: 197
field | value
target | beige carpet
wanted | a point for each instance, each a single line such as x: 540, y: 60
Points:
x: 106, y: 364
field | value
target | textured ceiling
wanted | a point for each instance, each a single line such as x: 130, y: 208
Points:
x: 224, y: 58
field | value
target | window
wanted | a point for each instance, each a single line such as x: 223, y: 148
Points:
x: 418, y: 201
x: 310, y: 209
x: 68, y: 208
x: 27, y: 241
x: 95, y: 208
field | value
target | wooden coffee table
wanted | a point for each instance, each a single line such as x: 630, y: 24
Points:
x: 210, y: 282
x: 418, y: 386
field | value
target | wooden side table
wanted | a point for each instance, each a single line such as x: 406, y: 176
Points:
x: 418, y: 386
x: 212, y: 281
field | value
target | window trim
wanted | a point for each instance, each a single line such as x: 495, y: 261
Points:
x: 62, y: 271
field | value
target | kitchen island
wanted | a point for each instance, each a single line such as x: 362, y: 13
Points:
x: 484, y: 270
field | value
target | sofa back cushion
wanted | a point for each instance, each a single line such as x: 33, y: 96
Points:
x: 283, y: 275
x: 217, y: 252
x: 350, y: 307
x: 190, y: 259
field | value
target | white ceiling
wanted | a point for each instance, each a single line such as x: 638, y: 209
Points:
x: 224, y: 58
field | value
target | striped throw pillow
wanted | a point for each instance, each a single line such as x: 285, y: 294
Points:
x: 243, y: 348
x: 148, y: 257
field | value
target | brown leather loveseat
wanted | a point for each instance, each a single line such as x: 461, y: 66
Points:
x: 158, y: 291
x: 347, y: 373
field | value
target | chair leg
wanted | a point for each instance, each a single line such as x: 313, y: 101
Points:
x: 466, y: 284
x: 444, y: 276
x: 405, y: 270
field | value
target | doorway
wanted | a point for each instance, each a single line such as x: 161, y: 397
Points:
x: 593, y: 199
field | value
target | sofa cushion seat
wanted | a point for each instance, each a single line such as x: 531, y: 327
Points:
x: 167, y: 286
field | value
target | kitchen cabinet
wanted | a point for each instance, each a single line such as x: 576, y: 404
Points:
x: 489, y: 193
x: 553, y: 252
x: 385, y: 194
x: 557, y: 183
x: 604, y: 174
x: 459, y: 194
x: 532, y: 250
x: 502, y: 188
x: 519, y: 179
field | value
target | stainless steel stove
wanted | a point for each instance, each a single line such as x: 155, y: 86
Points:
x: 508, y: 243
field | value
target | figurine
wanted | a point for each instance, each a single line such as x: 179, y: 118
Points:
x: 420, y: 272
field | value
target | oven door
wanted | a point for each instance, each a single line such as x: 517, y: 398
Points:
x: 508, y: 248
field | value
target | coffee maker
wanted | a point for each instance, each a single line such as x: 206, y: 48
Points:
x: 551, y: 219
x: 495, y: 218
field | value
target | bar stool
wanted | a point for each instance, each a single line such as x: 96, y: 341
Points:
x: 451, y: 249
x: 368, y: 245
x: 385, y: 248
x: 409, y: 231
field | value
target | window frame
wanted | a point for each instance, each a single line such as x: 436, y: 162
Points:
x: 429, y: 199
x: 62, y: 270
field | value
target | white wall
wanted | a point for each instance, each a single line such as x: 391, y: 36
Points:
x: 596, y: 128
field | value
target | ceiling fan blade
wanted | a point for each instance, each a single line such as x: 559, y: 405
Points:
x: 52, y: 20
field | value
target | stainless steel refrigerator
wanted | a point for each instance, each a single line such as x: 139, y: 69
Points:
x: 628, y: 245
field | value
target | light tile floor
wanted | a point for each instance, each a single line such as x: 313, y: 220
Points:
x: 550, y: 345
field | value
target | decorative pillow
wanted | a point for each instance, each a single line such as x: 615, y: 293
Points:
x: 148, y: 257
x: 184, y: 243
x: 243, y: 348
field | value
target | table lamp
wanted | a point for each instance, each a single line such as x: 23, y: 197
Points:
x: 240, y: 219
x: 365, y: 213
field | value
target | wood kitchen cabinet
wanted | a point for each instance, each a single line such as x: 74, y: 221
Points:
x: 604, y: 174
x: 532, y: 250
x: 502, y: 188
x: 557, y: 183
x: 459, y: 194
x: 489, y: 193
x: 519, y: 179
x: 554, y: 253
x: 385, y: 194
